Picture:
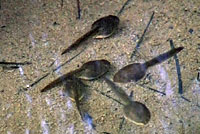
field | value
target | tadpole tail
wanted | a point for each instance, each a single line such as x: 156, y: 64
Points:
x: 84, y: 115
x: 161, y: 58
x: 78, y: 106
x: 117, y: 90
x: 80, y: 40
x: 55, y: 83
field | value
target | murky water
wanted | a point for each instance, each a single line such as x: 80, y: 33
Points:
x: 38, y: 31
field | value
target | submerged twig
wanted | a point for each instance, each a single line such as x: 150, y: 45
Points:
x: 198, y: 75
x: 152, y: 89
x: 38, y: 80
x: 122, y: 9
x: 79, y: 9
x: 13, y: 65
x: 121, y: 124
x: 178, y: 69
x: 57, y: 68
x: 44, y: 76
x: 142, y: 37
x: 186, y: 99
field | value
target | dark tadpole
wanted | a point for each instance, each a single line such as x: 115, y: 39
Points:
x: 133, y: 111
x: 88, y: 71
x: 136, y: 71
x: 75, y: 89
x: 102, y: 28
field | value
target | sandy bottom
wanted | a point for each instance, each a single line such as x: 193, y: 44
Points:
x: 38, y: 31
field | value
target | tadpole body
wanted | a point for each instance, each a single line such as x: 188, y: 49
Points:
x: 93, y: 69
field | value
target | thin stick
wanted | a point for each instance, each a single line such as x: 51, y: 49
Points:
x: 122, y: 9
x: 15, y: 63
x: 61, y: 4
x: 57, y: 68
x: 38, y: 80
x: 152, y: 89
x: 142, y: 37
x: 186, y: 99
x: 180, y: 85
x: 178, y: 69
x: 44, y: 76
x: 79, y: 9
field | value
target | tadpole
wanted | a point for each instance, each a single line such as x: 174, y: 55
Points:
x: 136, y: 71
x: 88, y: 71
x: 75, y: 89
x: 101, y: 28
x: 133, y: 111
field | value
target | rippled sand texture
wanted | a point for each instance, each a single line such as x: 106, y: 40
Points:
x: 39, y: 30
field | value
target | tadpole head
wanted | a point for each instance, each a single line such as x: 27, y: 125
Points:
x: 75, y: 87
x: 137, y: 113
x: 93, y: 69
x: 129, y: 73
x: 106, y: 26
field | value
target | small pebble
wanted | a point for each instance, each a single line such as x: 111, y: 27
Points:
x: 171, y: 27
x: 191, y: 31
x: 55, y: 24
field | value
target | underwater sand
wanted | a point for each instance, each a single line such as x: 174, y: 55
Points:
x: 38, y: 31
